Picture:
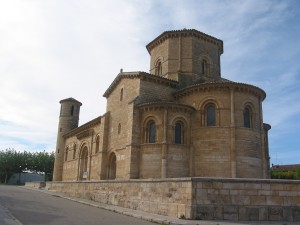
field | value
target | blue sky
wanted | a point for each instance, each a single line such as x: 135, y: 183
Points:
x: 55, y: 49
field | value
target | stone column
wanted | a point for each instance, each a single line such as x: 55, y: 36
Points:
x: 232, y: 135
x: 164, y: 146
x: 179, y: 54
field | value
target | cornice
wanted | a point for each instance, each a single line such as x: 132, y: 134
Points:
x: 165, y: 105
x: 83, y: 127
x: 71, y: 100
x: 242, y: 87
x: 267, y: 126
x: 184, y: 33
x: 141, y: 76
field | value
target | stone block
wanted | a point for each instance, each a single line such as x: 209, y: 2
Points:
x: 287, y: 214
x: 233, y: 186
x: 207, y: 185
x: 249, y: 213
x: 209, y: 213
x: 201, y: 194
x: 217, y: 185
x: 234, y: 192
x: 199, y: 185
x: 258, y: 200
x: 223, y: 200
x: 291, y: 187
x: 288, y: 193
x: 291, y: 201
x: 181, y: 210
x: 275, y: 213
x: 224, y: 192
x: 231, y: 213
x: 265, y: 186
x: 162, y: 209
x: 277, y: 187
x: 253, y: 186
x: 263, y: 214
x: 172, y: 210
x: 240, y: 200
x: 296, y: 214
x: 274, y: 200
x: 264, y: 192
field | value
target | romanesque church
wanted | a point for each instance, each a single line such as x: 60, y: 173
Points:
x: 182, y: 119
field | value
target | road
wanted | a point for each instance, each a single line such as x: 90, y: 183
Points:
x: 37, y: 208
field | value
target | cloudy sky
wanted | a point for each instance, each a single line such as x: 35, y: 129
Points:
x: 55, y: 49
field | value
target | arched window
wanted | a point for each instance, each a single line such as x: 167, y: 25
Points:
x: 74, y: 151
x: 247, y: 117
x: 97, y: 144
x: 179, y: 135
x: 83, y: 164
x: 121, y: 95
x: 204, y: 67
x: 112, y: 167
x: 72, y: 110
x: 151, y: 132
x: 158, y: 68
x: 211, y: 115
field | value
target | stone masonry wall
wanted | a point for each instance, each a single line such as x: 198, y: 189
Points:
x: 196, y: 198
x: 246, y: 199
x: 170, y: 197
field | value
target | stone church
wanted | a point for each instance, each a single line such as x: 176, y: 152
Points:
x: 182, y: 119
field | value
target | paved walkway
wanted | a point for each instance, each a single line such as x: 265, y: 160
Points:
x: 165, y: 220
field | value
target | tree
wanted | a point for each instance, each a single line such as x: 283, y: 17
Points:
x: 12, y: 162
x: 43, y: 162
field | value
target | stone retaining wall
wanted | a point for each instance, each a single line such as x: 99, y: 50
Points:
x: 246, y: 199
x: 196, y: 198
x: 172, y: 197
x: 35, y: 184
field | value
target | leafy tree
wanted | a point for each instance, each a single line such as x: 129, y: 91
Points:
x: 291, y: 175
x: 43, y: 162
x: 12, y: 162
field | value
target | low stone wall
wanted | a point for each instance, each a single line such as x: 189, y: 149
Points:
x: 246, y: 199
x: 171, y: 197
x: 35, y: 184
x: 196, y: 198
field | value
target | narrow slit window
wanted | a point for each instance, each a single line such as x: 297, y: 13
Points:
x: 211, y: 115
x: 119, y: 128
x: 204, y: 67
x: 178, y: 133
x: 152, y: 132
x: 74, y: 151
x: 66, y: 154
x: 158, y: 68
x: 72, y: 110
x: 121, y: 94
x: 247, y: 117
x: 97, y: 144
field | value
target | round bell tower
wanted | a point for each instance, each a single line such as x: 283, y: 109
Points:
x: 68, y: 120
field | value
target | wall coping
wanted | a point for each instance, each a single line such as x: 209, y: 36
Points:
x: 190, y: 179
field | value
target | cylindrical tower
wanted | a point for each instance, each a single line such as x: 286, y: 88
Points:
x: 68, y: 120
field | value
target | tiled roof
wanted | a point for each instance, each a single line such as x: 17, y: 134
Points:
x: 139, y: 75
x: 221, y: 83
x: 70, y: 100
x: 291, y: 167
x: 85, y: 126
x: 184, y: 32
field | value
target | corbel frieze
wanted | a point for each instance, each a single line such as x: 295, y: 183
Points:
x: 85, y: 134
